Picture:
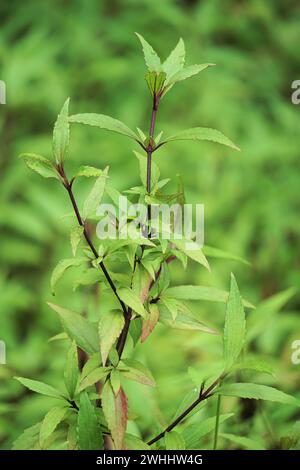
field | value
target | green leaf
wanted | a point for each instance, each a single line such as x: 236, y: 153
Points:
x: 75, y: 237
x: 243, y: 441
x: 83, y: 332
x: 234, y: 327
x: 174, y: 441
x: 115, y: 409
x: 192, y: 250
x: 50, y: 423
x: 40, y: 387
x: 184, y: 322
x: 193, y: 433
x: 88, y: 172
x: 212, y: 252
x: 131, y: 299
x: 175, y: 62
x: 71, y: 372
x: 187, y: 72
x: 254, y: 363
x: 92, y: 363
x: 203, y: 133
x: 115, y: 380
x: 40, y: 165
x: 60, y: 269
x: 257, y: 392
x: 135, y: 370
x: 134, y: 443
x: 150, y: 321
x: 89, y: 431
x: 28, y: 439
x: 61, y: 134
x: 155, y: 82
x: 93, y: 377
x: 95, y: 196
x: 104, y: 122
x: 171, y: 305
x: 110, y: 327
x: 155, y: 171
x: 152, y: 60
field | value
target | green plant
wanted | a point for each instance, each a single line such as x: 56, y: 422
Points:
x: 93, y: 411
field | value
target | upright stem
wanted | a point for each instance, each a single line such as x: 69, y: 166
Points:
x: 151, y: 135
x: 68, y: 187
x: 217, y: 422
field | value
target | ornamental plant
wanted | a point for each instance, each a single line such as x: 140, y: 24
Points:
x: 92, y: 406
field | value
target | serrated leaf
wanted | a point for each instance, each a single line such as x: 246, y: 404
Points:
x: 234, y: 327
x: 184, y: 322
x: 150, y: 321
x: 75, y: 237
x: 40, y: 165
x: 174, y: 441
x: 187, y: 72
x: 152, y: 60
x: 175, y: 62
x: 192, y: 250
x: 257, y: 392
x: 256, y: 364
x: 115, y: 409
x: 110, y: 327
x: 212, y: 252
x: 210, y: 294
x: 135, y: 370
x: 28, y: 439
x: 83, y: 332
x: 60, y: 269
x: 71, y: 372
x: 134, y: 443
x: 203, y: 133
x: 95, y: 196
x: 115, y: 380
x: 89, y: 431
x: 61, y: 134
x: 193, y: 434
x: 50, y: 423
x: 243, y: 441
x: 130, y: 298
x: 88, y: 172
x: 93, y: 377
x: 104, y: 122
x: 40, y: 387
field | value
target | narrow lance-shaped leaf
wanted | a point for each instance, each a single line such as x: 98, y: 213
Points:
x: 93, y: 377
x: 88, y: 172
x: 89, y: 431
x: 50, y: 423
x: 152, y: 60
x: 193, y: 433
x: 60, y: 269
x: 202, y: 133
x: 40, y: 165
x: 131, y: 299
x: 83, y: 332
x: 40, y: 387
x: 115, y: 409
x: 187, y: 72
x: 61, y: 134
x: 150, y: 321
x: 71, y: 372
x: 110, y: 327
x: 235, y: 326
x: 104, y: 122
x: 76, y: 234
x: 257, y: 392
x: 174, y: 441
x: 135, y: 370
x: 95, y: 196
x: 175, y: 62
x: 243, y: 441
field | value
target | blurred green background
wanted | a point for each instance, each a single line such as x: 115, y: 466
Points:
x: 87, y: 50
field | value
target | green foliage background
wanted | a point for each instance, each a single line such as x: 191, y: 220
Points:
x: 87, y: 50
